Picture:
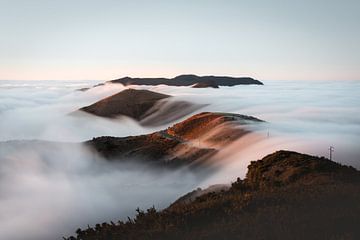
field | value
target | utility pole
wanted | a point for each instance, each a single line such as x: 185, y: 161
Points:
x: 331, y: 150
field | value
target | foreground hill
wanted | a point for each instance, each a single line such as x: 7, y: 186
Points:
x: 188, y: 80
x: 184, y: 143
x: 147, y: 107
x: 286, y: 195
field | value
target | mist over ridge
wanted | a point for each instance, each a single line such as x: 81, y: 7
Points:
x: 301, y: 116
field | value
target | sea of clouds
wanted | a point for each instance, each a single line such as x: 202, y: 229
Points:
x: 48, y: 189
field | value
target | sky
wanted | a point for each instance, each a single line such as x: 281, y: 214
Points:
x: 108, y: 39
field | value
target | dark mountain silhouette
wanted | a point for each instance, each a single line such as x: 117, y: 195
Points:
x: 188, y: 80
x: 286, y: 195
x: 175, y: 146
x: 147, y: 107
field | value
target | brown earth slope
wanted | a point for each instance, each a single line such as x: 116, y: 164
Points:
x: 286, y: 195
x: 212, y: 127
x: 130, y: 102
x: 155, y: 149
x: 147, y: 107
x: 173, y: 146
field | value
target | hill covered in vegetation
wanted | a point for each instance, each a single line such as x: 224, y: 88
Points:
x: 286, y: 195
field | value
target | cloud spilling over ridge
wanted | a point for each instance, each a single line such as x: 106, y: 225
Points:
x: 308, y: 115
x: 42, y: 112
x: 51, y: 189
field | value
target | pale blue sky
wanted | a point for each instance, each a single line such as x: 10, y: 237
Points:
x: 105, y: 39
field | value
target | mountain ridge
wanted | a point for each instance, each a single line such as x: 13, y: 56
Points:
x: 188, y: 80
x: 147, y: 107
x: 173, y: 145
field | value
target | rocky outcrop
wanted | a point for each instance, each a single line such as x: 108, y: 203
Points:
x: 284, y: 168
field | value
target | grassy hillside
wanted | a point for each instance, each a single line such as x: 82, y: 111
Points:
x: 286, y: 195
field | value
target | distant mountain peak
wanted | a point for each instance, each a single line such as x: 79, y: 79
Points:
x: 188, y: 80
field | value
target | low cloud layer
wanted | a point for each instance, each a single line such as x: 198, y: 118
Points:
x: 48, y: 190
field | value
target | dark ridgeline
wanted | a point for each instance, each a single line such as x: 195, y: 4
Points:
x: 188, y: 80
x: 286, y: 195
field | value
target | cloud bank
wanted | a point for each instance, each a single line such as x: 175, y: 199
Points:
x: 49, y: 189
